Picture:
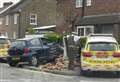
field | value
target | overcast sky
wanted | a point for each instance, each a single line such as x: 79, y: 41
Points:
x: 1, y: 1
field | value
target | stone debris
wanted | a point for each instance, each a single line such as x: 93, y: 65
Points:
x: 58, y: 64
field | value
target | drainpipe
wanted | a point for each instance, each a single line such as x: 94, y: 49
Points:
x: 82, y: 13
x: 83, y: 8
x: 19, y: 25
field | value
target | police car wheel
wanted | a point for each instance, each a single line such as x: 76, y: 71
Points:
x: 82, y: 72
x: 118, y: 73
x: 86, y: 73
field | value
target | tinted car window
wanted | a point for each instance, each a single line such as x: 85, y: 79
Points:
x: 97, y: 46
x: 18, y: 44
x: 35, y: 42
x: 3, y: 41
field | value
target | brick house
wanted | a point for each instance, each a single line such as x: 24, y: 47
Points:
x: 100, y: 16
x: 15, y: 18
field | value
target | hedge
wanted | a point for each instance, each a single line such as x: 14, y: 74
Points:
x: 83, y: 41
x: 53, y: 37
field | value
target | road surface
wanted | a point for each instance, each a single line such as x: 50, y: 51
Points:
x: 9, y: 74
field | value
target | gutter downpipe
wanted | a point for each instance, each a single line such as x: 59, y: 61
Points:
x: 19, y: 26
x: 83, y: 8
x: 82, y: 12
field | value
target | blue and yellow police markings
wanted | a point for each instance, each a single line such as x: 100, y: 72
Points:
x: 101, y: 58
x: 89, y: 60
x: 3, y: 52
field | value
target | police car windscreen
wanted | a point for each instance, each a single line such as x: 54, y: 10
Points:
x: 102, y: 46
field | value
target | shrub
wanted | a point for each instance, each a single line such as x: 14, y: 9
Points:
x: 53, y: 37
x: 83, y: 41
x: 30, y: 30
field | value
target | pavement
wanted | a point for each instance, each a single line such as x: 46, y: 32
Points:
x: 10, y: 74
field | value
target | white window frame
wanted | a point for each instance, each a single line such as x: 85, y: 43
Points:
x: 85, y: 29
x: 14, y: 35
x: 15, y: 18
x: 35, y: 19
x: 7, y: 20
x: 6, y: 34
x: 88, y: 2
x: 1, y: 21
x: 79, y: 3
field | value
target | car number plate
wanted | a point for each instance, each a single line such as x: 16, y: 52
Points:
x: 101, y: 58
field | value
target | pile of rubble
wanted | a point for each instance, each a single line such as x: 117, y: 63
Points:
x: 59, y: 64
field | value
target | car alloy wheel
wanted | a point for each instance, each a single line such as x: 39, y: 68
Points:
x: 34, y: 61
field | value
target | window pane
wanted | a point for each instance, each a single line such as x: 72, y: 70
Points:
x: 79, y: 3
x: 15, y: 18
x: 81, y: 31
x: 88, y: 31
x: 0, y: 21
x: 33, y: 16
x: 33, y: 19
x: 35, y: 42
x: 7, y: 20
x: 89, y: 2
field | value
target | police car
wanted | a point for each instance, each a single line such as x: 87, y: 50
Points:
x: 4, y: 45
x: 101, y: 53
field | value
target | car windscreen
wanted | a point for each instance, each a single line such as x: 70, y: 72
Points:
x: 102, y: 46
x: 18, y: 43
x: 3, y: 41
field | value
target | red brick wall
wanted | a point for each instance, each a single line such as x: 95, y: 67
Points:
x: 65, y: 15
x: 103, y: 7
x: 64, y: 8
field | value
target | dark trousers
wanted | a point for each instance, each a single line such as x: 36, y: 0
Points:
x: 71, y: 65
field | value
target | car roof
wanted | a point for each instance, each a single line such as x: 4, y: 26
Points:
x: 28, y: 38
x: 34, y: 36
x: 25, y: 39
x: 101, y: 39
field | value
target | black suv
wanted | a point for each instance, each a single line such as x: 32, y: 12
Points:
x: 32, y: 51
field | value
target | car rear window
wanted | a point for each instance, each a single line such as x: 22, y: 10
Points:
x: 18, y: 44
x: 102, y: 46
x: 3, y: 41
